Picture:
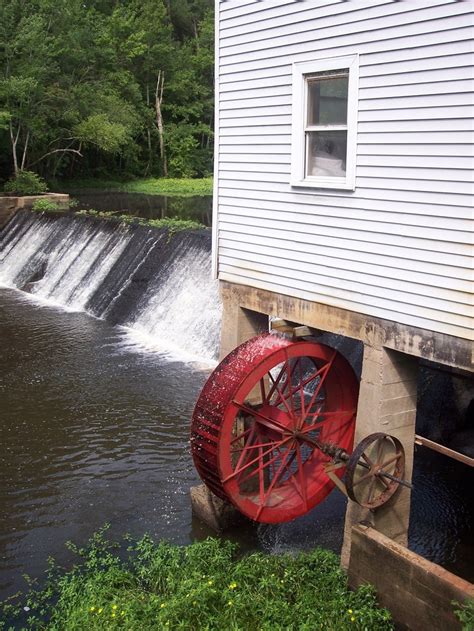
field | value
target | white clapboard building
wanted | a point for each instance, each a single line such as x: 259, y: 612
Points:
x: 344, y: 187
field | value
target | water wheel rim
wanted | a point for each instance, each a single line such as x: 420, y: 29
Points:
x: 290, y: 475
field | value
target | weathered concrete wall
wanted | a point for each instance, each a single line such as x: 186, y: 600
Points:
x: 437, y: 347
x: 418, y: 593
x: 387, y: 403
x: 9, y: 204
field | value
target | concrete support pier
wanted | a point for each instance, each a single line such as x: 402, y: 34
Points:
x: 212, y: 511
x: 387, y: 403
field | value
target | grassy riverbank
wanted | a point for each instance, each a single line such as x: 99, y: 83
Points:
x: 183, y: 187
x: 206, y: 585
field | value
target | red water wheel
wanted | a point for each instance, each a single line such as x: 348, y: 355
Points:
x: 258, y: 417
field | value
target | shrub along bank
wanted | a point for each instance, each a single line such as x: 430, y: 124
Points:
x: 206, y: 585
x: 183, y: 187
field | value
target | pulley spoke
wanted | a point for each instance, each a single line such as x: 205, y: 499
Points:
x: 396, y: 457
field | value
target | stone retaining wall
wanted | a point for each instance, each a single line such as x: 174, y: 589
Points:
x: 10, y: 204
x: 418, y: 593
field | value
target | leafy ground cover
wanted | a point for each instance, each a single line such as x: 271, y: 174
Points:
x: 171, y: 224
x: 204, y: 586
x: 183, y: 187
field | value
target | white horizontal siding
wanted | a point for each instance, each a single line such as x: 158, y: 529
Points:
x: 400, y: 246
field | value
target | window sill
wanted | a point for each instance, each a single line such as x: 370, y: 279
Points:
x: 333, y: 183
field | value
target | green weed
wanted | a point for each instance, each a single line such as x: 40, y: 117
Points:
x: 45, y: 205
x: 206, y: 585
x: 169, y: 223
x: 465, y: 614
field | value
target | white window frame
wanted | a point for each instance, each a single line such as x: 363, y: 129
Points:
x: 302, y: 71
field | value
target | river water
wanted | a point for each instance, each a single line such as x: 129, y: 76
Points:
x: 100, y: 366
x: 95, y: 429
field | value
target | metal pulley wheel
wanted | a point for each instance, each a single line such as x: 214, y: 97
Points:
x: 375, y: 470
x: 260, y: 421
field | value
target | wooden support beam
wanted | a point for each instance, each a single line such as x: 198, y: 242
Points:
x: 446, y: 451
x: 285, y: 326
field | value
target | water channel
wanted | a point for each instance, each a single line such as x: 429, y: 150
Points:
x: 100, y: 365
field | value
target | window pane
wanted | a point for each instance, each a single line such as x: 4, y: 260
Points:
x: 326, y: 153
x: 327, y: 100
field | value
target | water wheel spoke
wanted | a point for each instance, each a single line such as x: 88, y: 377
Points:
x: 324, y: 372
x: 253, y: 446
x: 275, y: 479
x: 323, y: 417
x: 243, y: 467
x: 281, y: 399
x: 275, y: 383
x: 269, y: 422
x: 245, y: 452
x: 301, y: 477
x: 302, y: 408
x: 289, y: 372
x: 262, y: 390
x: 261, y: 477
x: 240, y: 436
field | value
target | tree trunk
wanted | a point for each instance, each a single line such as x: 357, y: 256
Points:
x: 14, y: 142
x: 25, y: 149
x: 160, y: 82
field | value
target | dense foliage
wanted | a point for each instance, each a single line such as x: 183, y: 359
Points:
x: 203, y: 586
x: 25, y: 183
x: 99, y: 87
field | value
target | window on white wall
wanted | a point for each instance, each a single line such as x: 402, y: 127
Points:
x: 324, y: 123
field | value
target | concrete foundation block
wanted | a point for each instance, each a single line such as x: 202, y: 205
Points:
x: 387, y: 403
x: 213, y: 511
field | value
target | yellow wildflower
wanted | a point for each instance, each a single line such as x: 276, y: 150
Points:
x: 92, y: 609
x: 349, y: 610
x: 230, y: 603
x: 113, y: 615
x: 114, y: 606
x: 233, y: 585
x: 162, y: 605
x: 210, y: 582
x: 100, y: 610
x: 352, y: 619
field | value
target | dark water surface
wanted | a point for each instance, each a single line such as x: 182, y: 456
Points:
x: 95, y: 430
x: 197, y: 208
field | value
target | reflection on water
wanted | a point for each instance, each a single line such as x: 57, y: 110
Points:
x: 197, y: 208
x: 95, y: 430
x: 442, y: 516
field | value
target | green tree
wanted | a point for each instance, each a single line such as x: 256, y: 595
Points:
x: 99, y: 86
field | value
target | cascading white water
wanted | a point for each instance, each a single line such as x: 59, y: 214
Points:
x: 75, y: 261
x: 129, y: 275
x: 184, y: 309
